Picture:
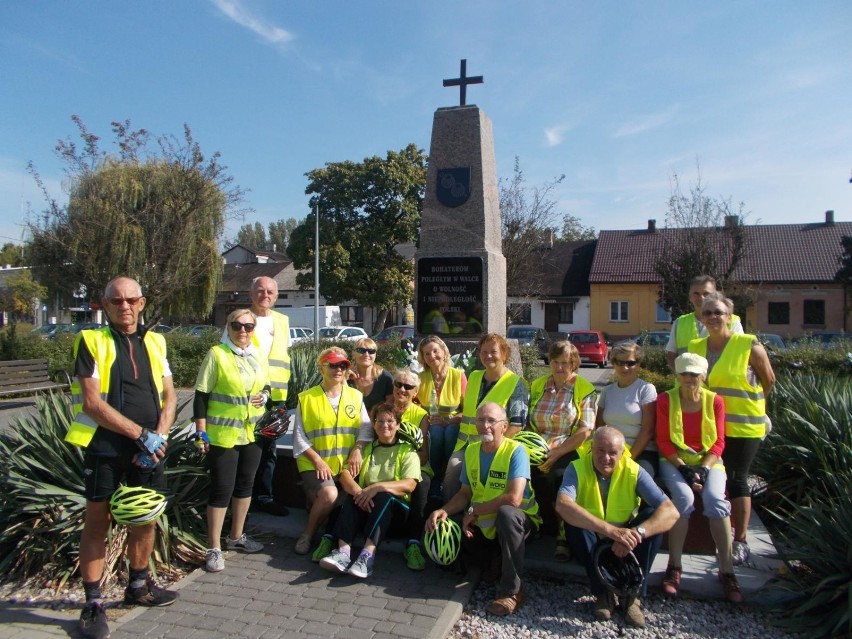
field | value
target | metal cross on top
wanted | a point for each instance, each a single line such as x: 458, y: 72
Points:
x: 462, y: 81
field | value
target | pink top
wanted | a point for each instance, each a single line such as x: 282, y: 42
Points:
x: 691, y: 427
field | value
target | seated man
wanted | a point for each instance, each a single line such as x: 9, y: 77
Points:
x: 501, y: 510
x: 600, y: 495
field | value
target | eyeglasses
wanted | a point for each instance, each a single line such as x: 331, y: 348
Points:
x: 404, y: 385
x: 339, y: 366
x: 361, y: 350
x: 119, y: 301
x: 626, y: 363
x: 489, y: 422
x: 247, y: 326
x: 715, y: 312
x: 689, y: 374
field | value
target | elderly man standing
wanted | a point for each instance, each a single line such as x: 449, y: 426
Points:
x: 124, y: 405
x: 499, y: 506
x: 600, y: 497
x: 271, y: 336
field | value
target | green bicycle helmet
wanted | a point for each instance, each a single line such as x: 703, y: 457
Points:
x: 136, y: 506
x: 411, y: 434
x: 536, y: 446
x: 444, y: 542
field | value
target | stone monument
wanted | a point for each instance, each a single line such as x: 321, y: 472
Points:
x: 460, y: 283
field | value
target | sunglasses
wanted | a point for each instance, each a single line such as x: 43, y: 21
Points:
x: 689, y: 374
x: 404, y: 385
x: 248, y: 326
x: 717, y: 312
x: 340, y: 366
x: 119, y: 301
x: 626, y: 363
x: 362, y: 350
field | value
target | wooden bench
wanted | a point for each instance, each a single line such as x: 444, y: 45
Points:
x: 27, y: 376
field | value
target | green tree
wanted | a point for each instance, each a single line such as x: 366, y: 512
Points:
x: 155, y: 211
x: 574, y: 231
x: 20, y: 294
x: 279, y: 234
x: 11, y: 254
x: 251, y: 236
x: 366, y: 209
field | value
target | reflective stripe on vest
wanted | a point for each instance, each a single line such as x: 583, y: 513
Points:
x: 622, y: 500
x: 332, y: 435
x: 229, y: 410
x: 451, y: 395
x: 495, y: 484
x: 279, y: 357
x: 686, y: 330
x: 745, y: 406
x: 101, y: 345
x: 582, y: 389
x: 500, y: 394
x: 708, y: 426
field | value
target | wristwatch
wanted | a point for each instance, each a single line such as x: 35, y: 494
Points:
x: 469, y: 511
x: 641, y: 532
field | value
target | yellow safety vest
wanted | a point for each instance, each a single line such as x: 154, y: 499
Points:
x: 500, y: 394
x: 622, y: 500
x: 402, y: 450
x: 229, y: 409
x: 745, y: 406
x: 279, y: 357
x: 101, y: 345
x: 582, y: 389
x: 495, y: 485
x: 332, y: 434
x: 708, y: 427
x: 451, y: 395
x: 686, y: 330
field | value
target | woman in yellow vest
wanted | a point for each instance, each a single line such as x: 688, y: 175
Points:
x: 691, y: 438
x: 330, y: 426
x: 441, y: 392
x: 231, y: 391
x: 741, y: 373
x: 562, y: 410
x: 377, y: 498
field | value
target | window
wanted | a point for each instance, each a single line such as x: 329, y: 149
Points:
x: 566, y: 313
x: 814, y: 312
x: 619, y: 311
x: 779, y: 312
x: 520, y: 313
x: 351, y: 314
x: 663, y: 316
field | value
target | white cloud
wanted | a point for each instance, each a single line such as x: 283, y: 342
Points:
x: 237, y: 12
x: 646, y: 122
x: 555, y: 134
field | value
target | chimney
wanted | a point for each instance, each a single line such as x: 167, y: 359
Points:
x: 731, y: 221
x: 652, y: 226
x: 829, y: 218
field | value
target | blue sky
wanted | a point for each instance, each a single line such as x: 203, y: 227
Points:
x: 615, y: 95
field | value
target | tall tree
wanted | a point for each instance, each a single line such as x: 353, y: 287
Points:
x: 366, y: 209
x: 279, y: 234
x: 252, y: 236
x: 705, y: 236
x: 154, y: 211
x: 20, y: 294
x: 11, y: 254
x: 574, y: 231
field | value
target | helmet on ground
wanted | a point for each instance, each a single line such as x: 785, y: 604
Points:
x: 410, y: 434
x: 444, y: 542
x: 273, y: 424
x: 621, y: 575
x: 136, y: 505
x: 535, y: 444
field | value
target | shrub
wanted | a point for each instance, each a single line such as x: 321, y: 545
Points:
x: 185, y: 353
x: 654, y: 360
x: 662, y: 381
x: 529, y: 361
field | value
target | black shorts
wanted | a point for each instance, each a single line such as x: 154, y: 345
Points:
x: 103, y: 475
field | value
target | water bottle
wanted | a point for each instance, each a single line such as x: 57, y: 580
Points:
x: 433, y: 404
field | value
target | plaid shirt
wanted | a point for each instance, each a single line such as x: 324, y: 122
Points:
x: 555, y: 413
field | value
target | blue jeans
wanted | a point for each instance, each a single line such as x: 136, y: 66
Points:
x: 442, y: 441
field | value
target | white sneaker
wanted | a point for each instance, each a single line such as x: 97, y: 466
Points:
x: 214, y: 560
x: 337, y: 561
x: 243, y: 543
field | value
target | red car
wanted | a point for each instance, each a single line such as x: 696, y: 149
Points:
x: 592, y: 347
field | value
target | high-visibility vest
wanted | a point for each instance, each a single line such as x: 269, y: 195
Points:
x: 101, y: 344
x: 229, y: 409
x: 401, y: 450
x: 745, y: 405
x: 332, y: 434
x: 451, y: 395
x: 500, y: 394
x: 708, y: 427
x: 279, y: 357
x: 495, y: 484
x: 582, y: 389
x: 686, y: 330
x: 622, y: 499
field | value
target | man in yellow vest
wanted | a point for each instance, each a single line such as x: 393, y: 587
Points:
x: 600, y: 497
x: 271, y: 336
x: 124, y: 405
x: 689, y: 327
x: 499, y: 506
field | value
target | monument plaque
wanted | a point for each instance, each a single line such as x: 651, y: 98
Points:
x: 449, y: 295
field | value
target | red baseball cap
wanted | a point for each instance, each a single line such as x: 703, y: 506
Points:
x: 334, y: 358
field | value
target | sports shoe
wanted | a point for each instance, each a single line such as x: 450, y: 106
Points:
x: 326, y: 545
x: 303, y: 545
x: 671, y: 581
x: 563, y: 551
x: 740, y: 552
x: 93, y: 621
x: 414, y: 557
x: 214, y: 561
x: 731, y: 587
x: 243, y: 543
x: 633, y: 615
x: 149, y: 595
x: 362, y: 567
x: 337, y: 561
x: 604, y: 606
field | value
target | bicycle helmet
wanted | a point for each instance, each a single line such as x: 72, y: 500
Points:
x: 136, y: 506
x: 410, y: 434
x: 273, y: 424
x: 621, y: 575
x: 536, y: 446
x: 444, y: 542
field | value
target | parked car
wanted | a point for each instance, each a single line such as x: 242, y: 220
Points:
x: 825, y: 339
x: 772, y: 342
x: 405, y: 334
x: 63, y: 329
x: 592, y: 347
x: 529, y: 335
x: 345, y: 333
x: 161, y: 328
x: 652, y: 338
x: 197, y: 330
x: 300, y: 334
x: 45, y: 331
